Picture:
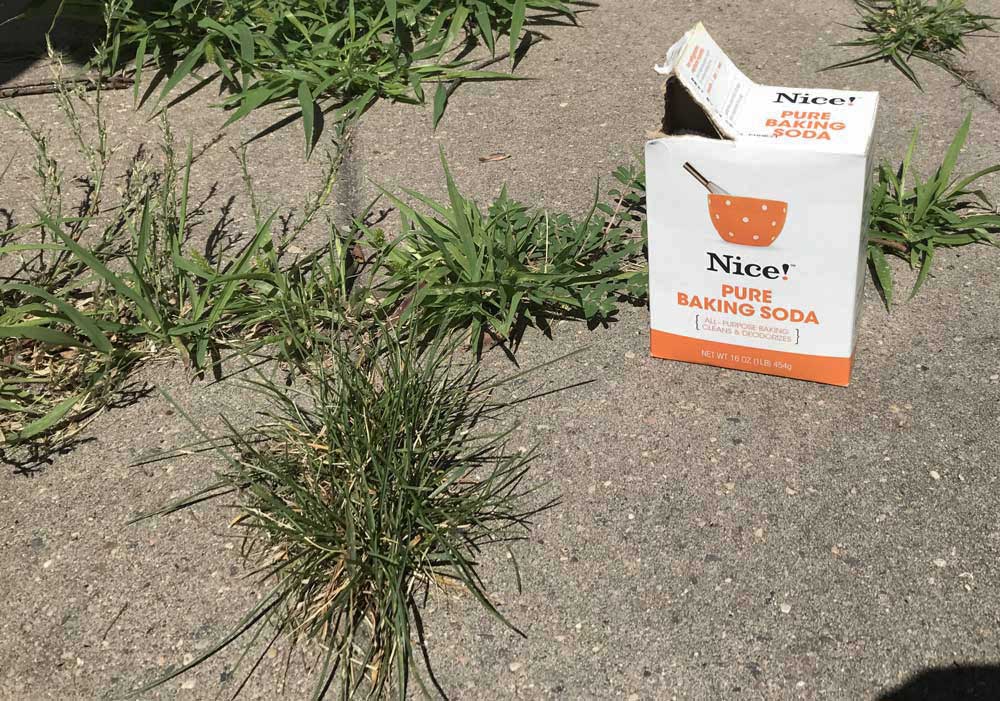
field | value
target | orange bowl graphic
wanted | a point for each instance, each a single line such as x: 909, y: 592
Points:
x: 747, y: 221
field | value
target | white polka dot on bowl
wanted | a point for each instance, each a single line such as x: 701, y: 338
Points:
x: 746, y: 220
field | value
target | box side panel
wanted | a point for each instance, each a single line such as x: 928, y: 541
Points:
x: 658, y: 212
x: 769, y: 265
x: 862, y: 272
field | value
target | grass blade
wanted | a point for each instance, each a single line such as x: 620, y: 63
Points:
x: 440, y: 103
x: 883, y: 274
x: 516, y: 23
x: 308, y: 107
x: 57, y: 414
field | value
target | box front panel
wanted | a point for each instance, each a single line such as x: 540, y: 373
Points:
x: 753, y: 254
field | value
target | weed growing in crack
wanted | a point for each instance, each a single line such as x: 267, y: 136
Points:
x: 317, y: 55
x: 58, y: 365
x: 943, y: 211
x: 88, y: 292
x: 900, y: 30
x: 378, y: 482
x: 496, y: 271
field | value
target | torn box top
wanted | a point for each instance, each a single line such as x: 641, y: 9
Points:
x: 707, y: 95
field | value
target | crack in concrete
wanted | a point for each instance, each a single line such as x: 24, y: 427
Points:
x: 347, y: 186
x: 982, y: 93
x: 966, y: 77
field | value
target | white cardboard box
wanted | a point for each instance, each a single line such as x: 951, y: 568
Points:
x: 757, y: 205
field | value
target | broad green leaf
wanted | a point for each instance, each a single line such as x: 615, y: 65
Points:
x: 50, y: 419
x: 249, y: 101
x: 308, y: 108
x: 951, y: 156
x: 247, y: 47
x: 15, y: 408
x: 904, y: 169
x: 516, y: 23
x: 905, y: 69
x: 963, y: 183
x: 24, y: 247
x: 52, y: 337
x: 140, y: 60
x: 103, y: 272
x: 883, y: 274
x: 440, y: 102
x: 184, y: 69
x: 458, y: 20
x: 485, y: 25
x: 85, y: 324
x: 927, y: 257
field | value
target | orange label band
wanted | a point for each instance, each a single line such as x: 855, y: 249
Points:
x: 817, y: 368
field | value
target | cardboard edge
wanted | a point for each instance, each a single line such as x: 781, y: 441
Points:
x: 669, y: 72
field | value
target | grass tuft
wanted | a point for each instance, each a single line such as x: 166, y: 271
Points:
x: 58, y: 366
x: 87, y: 292
x: 91, y: 291
x: 318, y: 56
x: 377, y: 483
x: 943, y: 211
x: 492, y: 273
x: 900, y: 30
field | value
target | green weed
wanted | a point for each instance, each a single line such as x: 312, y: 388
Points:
x: 942, y: 211
x: 58, y: 365
x: 101, y: 288
x: 378, y: 482
x: 87, y: 294
x: 907, y: 221
x: 315, y: 56
x: 901, y: 30
x: 493, y: 272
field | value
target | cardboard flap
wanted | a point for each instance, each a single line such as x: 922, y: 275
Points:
x: 710, y: 78
x: 707, y: 95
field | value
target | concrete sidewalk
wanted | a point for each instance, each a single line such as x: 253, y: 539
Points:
x: 720, y: 535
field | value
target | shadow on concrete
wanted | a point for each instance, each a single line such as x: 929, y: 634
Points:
x: 22, y: 41
x: 955, y: 683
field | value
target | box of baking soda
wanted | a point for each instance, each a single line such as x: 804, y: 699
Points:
x: 757, y: 203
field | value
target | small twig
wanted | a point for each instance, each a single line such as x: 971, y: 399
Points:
x: 533, y: 39
x: 614, y: 221
x: 53, y: 86
x: 113, y: 621
x: 895, y: 245
x: 614, y: 214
